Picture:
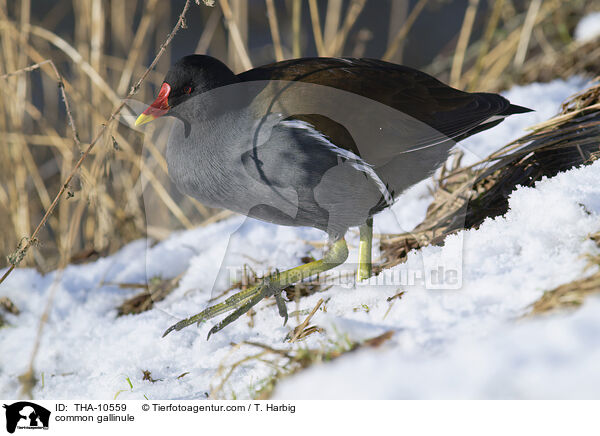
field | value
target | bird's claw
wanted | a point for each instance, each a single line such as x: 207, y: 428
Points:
x: 281, y: 307
x: 273, y: 288
x: 198, y: 319
x: 240, y: 303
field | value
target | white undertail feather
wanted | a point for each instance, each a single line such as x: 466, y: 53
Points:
x: 354, y: 160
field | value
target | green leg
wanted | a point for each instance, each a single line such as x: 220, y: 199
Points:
x: 364, y: 251
x: 243, y: 301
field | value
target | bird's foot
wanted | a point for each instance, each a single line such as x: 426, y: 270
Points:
x: 272, y: 285
x: 240, y: 303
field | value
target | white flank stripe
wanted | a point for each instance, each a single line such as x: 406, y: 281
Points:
x: 354, y: 160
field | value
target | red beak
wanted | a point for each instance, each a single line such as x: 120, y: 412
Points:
x: 158, y: 108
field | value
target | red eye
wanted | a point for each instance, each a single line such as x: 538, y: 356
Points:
x: 187, y: 89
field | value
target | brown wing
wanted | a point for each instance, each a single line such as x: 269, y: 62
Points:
x: 448, y: 110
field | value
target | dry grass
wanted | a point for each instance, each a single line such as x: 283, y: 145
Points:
x: 28, y: 379
x: 568, y: 296
x: 286, y: 362
x: 101, y: 210
x: 573, y: 294
x: 6, y: 305
x: 562, y: 63
x: 516, y: 42
x: 155, y: 290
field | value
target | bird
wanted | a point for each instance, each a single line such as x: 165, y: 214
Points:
x: 315, y: 142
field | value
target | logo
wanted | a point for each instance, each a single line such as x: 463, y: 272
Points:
x: 26, y: 415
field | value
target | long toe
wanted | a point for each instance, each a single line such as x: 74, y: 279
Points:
x: 241, y: 302
x: 237, y: 300
x: 281, y: 307
x: 235, y: 315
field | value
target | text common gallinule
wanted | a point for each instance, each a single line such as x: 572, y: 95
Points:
x: 319, y: 142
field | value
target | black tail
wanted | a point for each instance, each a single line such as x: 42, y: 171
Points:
x: 515, y: 109
x: 511, y: 110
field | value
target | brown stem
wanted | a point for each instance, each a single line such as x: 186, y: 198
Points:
x: 22, y: 251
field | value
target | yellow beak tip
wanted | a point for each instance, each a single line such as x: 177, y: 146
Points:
x: 143, y: 119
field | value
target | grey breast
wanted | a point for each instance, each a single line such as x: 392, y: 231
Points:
x: 244, y: 151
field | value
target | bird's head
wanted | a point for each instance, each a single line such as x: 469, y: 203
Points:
x: 189, y: 76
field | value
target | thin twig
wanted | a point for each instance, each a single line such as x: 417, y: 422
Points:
x: 61, y: 86
x: 284, y: 353
x: 300, y: 328
x: 26, y: 69
x: 76, y: 57
x: 64, y: 186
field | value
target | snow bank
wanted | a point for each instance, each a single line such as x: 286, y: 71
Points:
x: 548, y: 358
x: 447, y: 343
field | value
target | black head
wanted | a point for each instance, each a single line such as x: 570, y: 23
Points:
x: 189, y: 76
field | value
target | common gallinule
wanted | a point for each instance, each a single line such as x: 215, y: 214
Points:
x: 319, y: 142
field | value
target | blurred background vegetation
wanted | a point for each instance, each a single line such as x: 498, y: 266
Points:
x: 101, y: 47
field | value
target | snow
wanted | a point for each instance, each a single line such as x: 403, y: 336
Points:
x: 588, y: 28
x: 554, y: 358
x: 465, y: 344
x: 459, y: 339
